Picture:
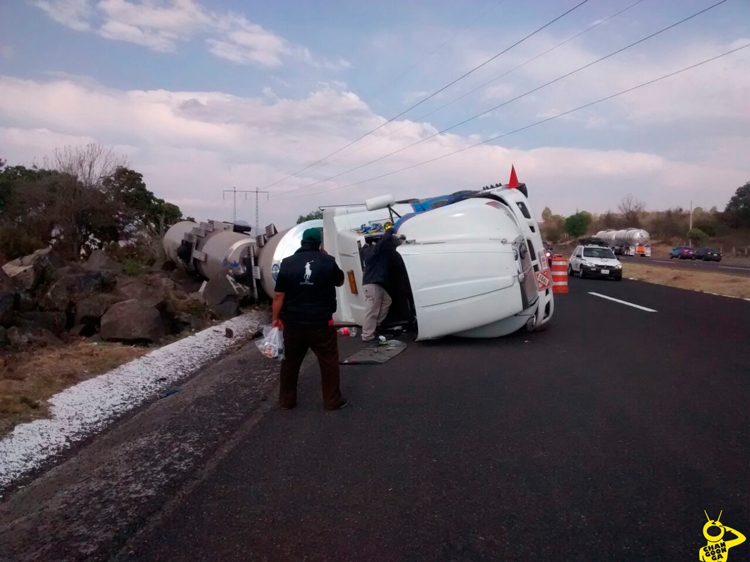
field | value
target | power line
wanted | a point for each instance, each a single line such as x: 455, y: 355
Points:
x: 432, y: 95
x: 507, y: 102
x: 372, y: 97
x: 436, y: 49
x: 552, y: 118
x: 495, y: 79
x: 234, y: 191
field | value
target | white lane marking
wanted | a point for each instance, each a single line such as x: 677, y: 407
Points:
x: 729, y: 267
x: 623, y: 302
x: 662, y: 261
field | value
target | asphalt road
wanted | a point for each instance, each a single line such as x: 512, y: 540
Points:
x: 603, y: 438
x: 692, y: 265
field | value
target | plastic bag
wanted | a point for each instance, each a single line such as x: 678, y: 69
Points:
x: 272, y: 343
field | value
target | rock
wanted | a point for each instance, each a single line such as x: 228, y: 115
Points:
x: 8, y: 293
x: 226, y: 310
x: 223, y: 288
x: 30, y: 271
x: 89, y: 311
x: 100, y: 261
x: 16, y: 337
x: 228, y: 333
x: 179, y: 295
x: 25, y: 276
x: 149, y: 294
x: 3, y: 336
x: 54, y: 322
x: 82, y: 330
x: 25, y: 302
x: 43, y: 338
x: 185, y: 321
x: 74, y: 286
x: 63, y: 271
x: 197, y: 297
x: 132, y: 320
x: 44, y: 258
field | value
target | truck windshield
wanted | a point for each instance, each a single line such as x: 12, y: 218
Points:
x: 598, y: 253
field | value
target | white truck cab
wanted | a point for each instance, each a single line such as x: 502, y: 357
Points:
x: 473, y: 262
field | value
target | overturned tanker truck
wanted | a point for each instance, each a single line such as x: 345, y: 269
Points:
x: 470, y: 264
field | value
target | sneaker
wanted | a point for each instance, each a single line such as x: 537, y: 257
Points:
x: 344, y: 404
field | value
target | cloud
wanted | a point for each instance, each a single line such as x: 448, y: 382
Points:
x: 191, y: 145
x: 73, y: 13
x: 161, y: 26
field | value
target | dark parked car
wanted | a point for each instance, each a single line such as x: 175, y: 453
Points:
x: 707, y: 254
x: 682, y: 252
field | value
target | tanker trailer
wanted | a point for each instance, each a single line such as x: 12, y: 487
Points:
x: 276, y: 247
x: 212, y: 247
x: 628, y: 242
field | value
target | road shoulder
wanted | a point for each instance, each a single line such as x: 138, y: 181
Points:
x: 77, y: 511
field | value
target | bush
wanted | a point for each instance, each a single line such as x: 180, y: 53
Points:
x: 133, y: 267
x: 15, y: 242
x: 697, y: 236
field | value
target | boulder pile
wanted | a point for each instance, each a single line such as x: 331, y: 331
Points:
x: 45, y: 300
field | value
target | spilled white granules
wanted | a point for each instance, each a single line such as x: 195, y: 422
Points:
x: 88, y: 407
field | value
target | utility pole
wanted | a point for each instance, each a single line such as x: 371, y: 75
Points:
x: 691, y: 222
x: 234, y: 191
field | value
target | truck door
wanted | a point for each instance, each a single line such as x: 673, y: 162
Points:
x: 350, y: 296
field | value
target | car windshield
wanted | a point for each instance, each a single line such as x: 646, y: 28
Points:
x: 598, y: 253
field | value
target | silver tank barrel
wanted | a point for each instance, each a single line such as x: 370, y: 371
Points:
x: 212, y: 247
x: 278, y: 247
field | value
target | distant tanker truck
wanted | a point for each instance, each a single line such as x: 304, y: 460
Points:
x: 628, y: 242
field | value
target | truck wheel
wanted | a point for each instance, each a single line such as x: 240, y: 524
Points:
x: 580, y: 272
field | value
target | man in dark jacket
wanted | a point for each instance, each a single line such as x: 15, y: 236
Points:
x: 378, y: 259
x: 303, y: 307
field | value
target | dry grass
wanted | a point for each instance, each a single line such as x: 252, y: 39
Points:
x: 703, y: 281
x: 28, y: 379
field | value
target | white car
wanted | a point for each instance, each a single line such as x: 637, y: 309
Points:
x: 593, y: 260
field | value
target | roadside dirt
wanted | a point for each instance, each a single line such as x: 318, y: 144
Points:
x: 29, y: 378
x: 702, y: 281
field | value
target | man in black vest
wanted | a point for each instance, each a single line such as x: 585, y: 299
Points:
x: 303, y: 307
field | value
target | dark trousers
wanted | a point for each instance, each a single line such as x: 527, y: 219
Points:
x: 323, y: 341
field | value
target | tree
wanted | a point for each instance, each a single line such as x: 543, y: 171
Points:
x: 310, y: 216
x: 139, y: 209
x: 631, y: 209
x: 553, y: 229
x: 76, y: 208
x: 578, y: 224
x: 738, y: 207
x: 89, y: 164
x: 546, y: 214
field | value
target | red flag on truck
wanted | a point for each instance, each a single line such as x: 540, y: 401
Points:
x: 513, y: 179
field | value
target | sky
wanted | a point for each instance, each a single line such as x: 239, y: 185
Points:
x: 207, y: 96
